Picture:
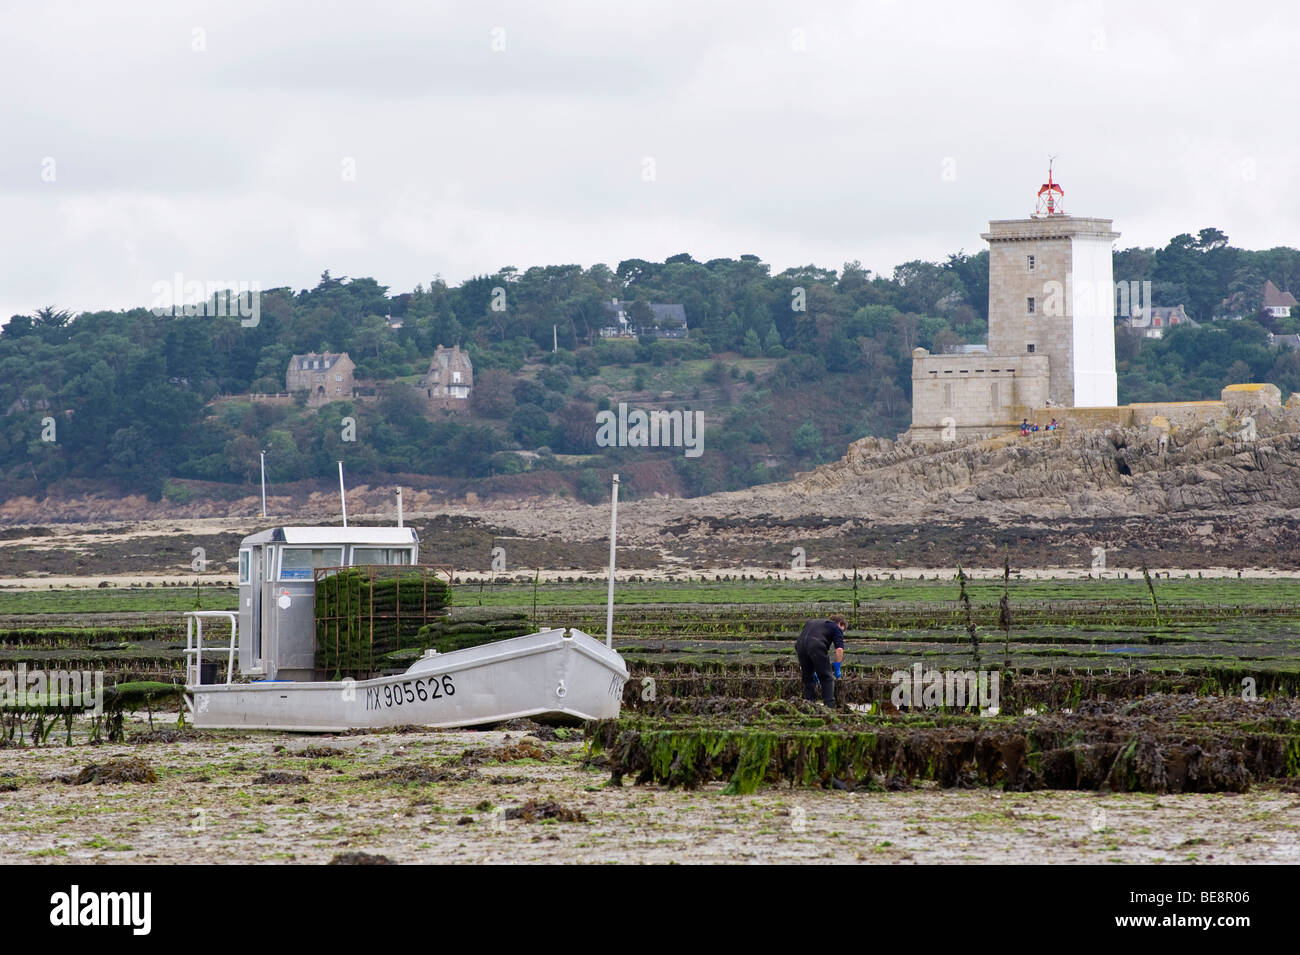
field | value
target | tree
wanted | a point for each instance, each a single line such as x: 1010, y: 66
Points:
x: 923, y: 284
x: 591, y: 489
x: 807, y: 441
x: 772, y: 346
x: 527, y: 392
x: 492, y: 395
x: 51, y: 317
x: 854, y: 279
x: 908, y: 326
x: 1182, y: 262
x: 1245, y: 293
x: 531, y: 426
x: 972, y: 272
x: 751, y: 348
x: 575, y: 430
x: 1209, y: 239
x: 641, y: 316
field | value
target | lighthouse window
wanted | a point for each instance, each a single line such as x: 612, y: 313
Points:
x: 297, y: 563
x: 1029, y: 262
x: 1031, y: 306
x: 1030, y: 348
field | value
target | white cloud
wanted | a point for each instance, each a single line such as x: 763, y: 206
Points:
x: 226, y: 162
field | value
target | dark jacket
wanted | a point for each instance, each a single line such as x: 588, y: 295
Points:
x: 822, y: 633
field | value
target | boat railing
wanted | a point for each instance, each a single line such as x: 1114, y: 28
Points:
x: 194, y: 644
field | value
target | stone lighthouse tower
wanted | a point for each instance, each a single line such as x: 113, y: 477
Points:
x: 1051, y: 329
x: 1052, y: 293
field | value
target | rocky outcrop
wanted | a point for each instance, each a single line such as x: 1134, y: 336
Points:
x: 1081, y: 473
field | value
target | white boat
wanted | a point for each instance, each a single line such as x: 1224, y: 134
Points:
x: 553, y: 674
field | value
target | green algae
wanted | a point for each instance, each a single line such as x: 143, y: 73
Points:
x: 1165, y: 744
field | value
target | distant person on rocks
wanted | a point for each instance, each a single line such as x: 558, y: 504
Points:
x: 813, y: 650
x: 1024, y: 427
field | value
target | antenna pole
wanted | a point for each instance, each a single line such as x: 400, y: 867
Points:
x: 399, y: 508
x: 343, y: 495
x: 263, y: 455
x: 613, y: 535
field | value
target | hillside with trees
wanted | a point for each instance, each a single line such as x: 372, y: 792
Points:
x: 788, y: 370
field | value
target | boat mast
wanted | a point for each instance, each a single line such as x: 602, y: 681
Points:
x: 613, y: 536
x: 343, y: 495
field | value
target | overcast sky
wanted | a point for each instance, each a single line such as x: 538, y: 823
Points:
x: 216, y: 140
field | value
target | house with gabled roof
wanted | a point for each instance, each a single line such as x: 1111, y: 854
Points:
x: 1276, y: 302
x: 450, y: 379
x: 669, y: 321
x: 325, y: 377
x: 1152, y: 321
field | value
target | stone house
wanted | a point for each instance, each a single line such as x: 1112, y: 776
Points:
x: 447, y: 384
x: 325, y: 377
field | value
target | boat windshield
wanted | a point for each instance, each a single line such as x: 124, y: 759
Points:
x: 297, y: 563
x: 381, y: 555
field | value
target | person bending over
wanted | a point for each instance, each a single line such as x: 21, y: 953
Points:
x: 813, y: 650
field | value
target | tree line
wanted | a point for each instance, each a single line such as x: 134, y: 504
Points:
x: 137, y: 399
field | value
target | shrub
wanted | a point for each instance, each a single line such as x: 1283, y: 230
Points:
x: 591, y: 488
x: 554, y: 379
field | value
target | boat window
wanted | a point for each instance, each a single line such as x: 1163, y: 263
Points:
x: 244, y: 558
x: 297, y: 563
x: 381, y: 555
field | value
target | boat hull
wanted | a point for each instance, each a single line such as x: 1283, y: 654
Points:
x: 545, y: 675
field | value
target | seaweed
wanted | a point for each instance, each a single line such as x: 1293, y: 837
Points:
x: 363, y: 613
x: 129, y: 770
x: 1163, y: 743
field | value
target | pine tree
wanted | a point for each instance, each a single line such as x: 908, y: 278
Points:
x: 772, y: 346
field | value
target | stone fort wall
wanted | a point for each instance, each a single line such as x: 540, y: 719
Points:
x: 978, y: 394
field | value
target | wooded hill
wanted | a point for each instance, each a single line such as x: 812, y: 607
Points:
x: 788, y: 368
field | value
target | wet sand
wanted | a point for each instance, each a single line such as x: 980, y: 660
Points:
x: 208, y: 807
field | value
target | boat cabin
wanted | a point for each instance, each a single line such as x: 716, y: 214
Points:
x: 277, y: 589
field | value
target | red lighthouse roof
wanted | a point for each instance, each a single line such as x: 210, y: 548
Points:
x: 1050, y: 195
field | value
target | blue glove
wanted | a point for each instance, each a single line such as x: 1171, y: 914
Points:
x: 836, y: 667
